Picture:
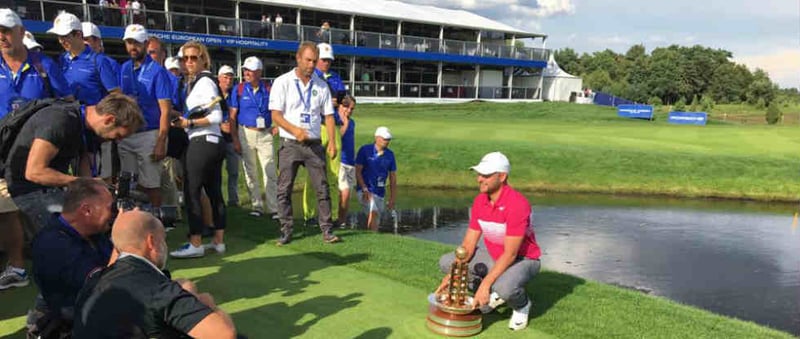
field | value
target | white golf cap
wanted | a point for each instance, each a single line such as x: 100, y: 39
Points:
x: 135, y: 32
x: 172, y: 63
x: 30, y: 42
x: 491, y: 163
x: 9, y: 19
x: 65, y: 23
x: 180, y: 53
x: 253, y: 63
x: 325, y: 51
x: 90, y: 29
x: 225, y: 69
x: 383, y: 132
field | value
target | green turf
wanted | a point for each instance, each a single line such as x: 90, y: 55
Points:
x: 584, y: 148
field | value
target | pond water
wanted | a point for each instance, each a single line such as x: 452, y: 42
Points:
x: 740, y: 259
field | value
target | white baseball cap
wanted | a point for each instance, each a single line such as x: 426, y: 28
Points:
x: 90, y: 29
x: 225, y: 69
x: 135, y: 32
x: 29, y: 41
x: 180, y: 53
x: 172, y: 63
x: 491, y: 163
x: 9, y: 19
x: 383, y: 132
x: 325, y: 51
x: 253, y: 63
x: 65, y: 23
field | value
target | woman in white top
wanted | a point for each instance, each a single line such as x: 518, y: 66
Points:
x: 202, y: 162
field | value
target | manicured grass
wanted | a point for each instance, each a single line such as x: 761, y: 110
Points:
x: 584, y: 148
x: 375, y: 286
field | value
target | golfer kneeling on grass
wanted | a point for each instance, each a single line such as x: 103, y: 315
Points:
x: 511, y: 256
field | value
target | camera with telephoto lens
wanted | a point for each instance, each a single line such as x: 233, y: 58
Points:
x: 127, y: 198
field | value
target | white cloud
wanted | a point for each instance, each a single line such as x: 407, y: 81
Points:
x: 782, y: 66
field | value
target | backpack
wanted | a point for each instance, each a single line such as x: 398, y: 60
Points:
x: 240, y: 88
x: 222, y: 104
x: 12, y: 123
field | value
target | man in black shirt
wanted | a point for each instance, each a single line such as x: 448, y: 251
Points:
x: 72, y: 246
x: 132, y: 298
x: 38, y: 162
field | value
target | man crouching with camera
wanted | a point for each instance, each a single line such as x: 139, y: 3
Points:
x: 71, y: 246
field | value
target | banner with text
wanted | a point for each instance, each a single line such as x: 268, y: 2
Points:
x: 635, y: 111
x: 688, y: 118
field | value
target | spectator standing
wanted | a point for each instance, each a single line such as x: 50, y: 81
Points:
x: 37, y: 77
x: 202, y: 163
x: 250, y: 108
x: 336, y: 86
x: 298, y: 100
x: 31, y: 44
x: 232, y: 154
x: 347, y: 159
x: 144, y: 79
x: 375, y: 165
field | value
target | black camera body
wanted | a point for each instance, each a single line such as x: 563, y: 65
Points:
x: 127, y: 198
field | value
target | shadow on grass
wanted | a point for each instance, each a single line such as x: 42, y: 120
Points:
x: 281, y: 320
x: 545, y: 290
x: 376, y: 333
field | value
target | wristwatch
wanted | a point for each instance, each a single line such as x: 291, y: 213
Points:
x: 191, y: 123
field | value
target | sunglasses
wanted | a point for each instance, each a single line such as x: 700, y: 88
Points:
x: 152, y: 51
x: 191, y: 57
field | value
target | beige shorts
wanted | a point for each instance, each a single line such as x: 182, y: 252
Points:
x: 135, y: 154
x: 6, y: 204
x: 347, y: 177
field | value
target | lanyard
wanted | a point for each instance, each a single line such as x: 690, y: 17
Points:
x: 260, y: 103
x: 307, y: 99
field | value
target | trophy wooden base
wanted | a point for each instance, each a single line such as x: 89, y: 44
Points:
x: 452, y: 324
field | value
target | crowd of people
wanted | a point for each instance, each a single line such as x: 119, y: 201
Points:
x: 84, y: 119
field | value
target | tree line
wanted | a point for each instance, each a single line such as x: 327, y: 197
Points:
x: 674, y: 75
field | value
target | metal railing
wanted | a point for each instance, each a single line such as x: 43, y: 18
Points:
x: 46, y: 10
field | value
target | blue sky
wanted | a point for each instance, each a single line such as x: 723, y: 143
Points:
x: 759, y: 33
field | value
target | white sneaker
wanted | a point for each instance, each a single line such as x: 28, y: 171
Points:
x: 188, y: 251
x: 275, y: 216
x: 11, y: 278
x: 494, y: 302
x: 219, y: 248
x: 519, y: 318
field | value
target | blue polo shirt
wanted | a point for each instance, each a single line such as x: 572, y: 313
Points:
x: 251, y: 105
x: 349, y: 144
x: 336, y: 85
x: 177, y: 97
x: 114, y: 65
x: 148, y: 83
x: 90, y: 75
x: 26, y: 84
x: 63, y: 260
x: 376, y: 168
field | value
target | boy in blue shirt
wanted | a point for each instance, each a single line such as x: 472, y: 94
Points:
x: 375, y: 163
x: 347, y: 169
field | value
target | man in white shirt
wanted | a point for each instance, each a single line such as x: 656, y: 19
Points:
x: 298, y: 101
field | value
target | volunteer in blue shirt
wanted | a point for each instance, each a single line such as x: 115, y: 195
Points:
x: 148, y: 82
x: 93, y: 38
x: 375, y: 164
x: 90, y: 76
x: 232, y: 154
x: 336, y: 86
x: 347, y: 169
x: 73, y: 245
x: 24, y: 76
x: 250, y: 108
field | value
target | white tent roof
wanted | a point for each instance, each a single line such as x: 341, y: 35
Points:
x: 396, y: 10
x: 554, y: 71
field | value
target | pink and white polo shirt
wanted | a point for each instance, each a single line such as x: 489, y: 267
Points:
x: 509, y: 216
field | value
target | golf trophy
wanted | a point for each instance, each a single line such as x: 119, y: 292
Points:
x: 451, y: 312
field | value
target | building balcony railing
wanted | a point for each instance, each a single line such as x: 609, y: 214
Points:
x: 46, y: 10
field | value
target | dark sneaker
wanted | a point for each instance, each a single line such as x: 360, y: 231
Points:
x: 10, y: 278
x: 310, y: 222
x: 330, y: 238
x: 284, y: 239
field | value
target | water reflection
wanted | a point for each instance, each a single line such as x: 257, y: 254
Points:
x: 745, y: 265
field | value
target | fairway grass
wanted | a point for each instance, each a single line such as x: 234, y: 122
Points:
x: 376, y: 286
x: 562, y: 147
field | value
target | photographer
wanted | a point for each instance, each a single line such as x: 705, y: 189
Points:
x: 202, y: 162
x: 72, y: 246
x: 39, y: 159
